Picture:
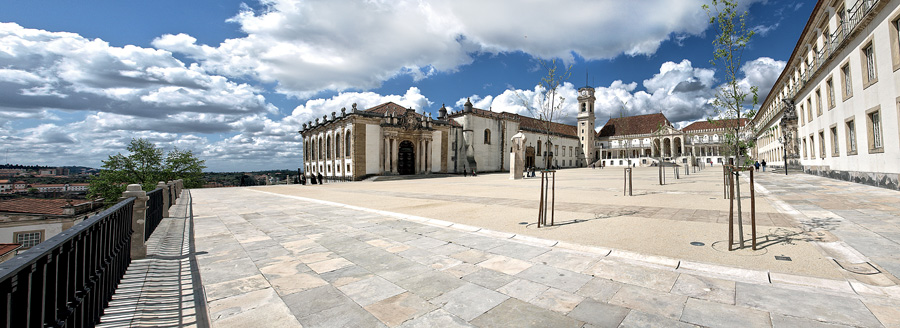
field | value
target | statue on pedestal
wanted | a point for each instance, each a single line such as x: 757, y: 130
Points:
x: 517, y: 156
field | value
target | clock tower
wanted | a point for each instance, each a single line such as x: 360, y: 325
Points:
x: 586, y: 131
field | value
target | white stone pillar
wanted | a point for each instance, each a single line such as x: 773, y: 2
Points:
x: 138, y: 219
x: 395, y: 151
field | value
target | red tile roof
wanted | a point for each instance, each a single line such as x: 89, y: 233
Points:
x: 389, y: 108
x: 525, y: 122
x: 6, y: 248
x: 37, y: 206
x: 707, y: 125
x: 640, y: 124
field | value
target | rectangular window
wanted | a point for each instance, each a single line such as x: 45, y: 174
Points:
x: 804, y: 148
x: 822, y: 144
x: 835, y: 150
x: 868, y: 63
x: 873, y: 127
x: 851, y: 136
x: 809, y: 111
x: 29, y: 239
x: 895, y: 43
x: 812, y: 147
x: 845, y: 76
x: 818, y: 102
x: 800, y: 114
x: 829, y: 90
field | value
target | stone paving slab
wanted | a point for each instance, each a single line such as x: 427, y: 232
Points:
x: 440, y: 277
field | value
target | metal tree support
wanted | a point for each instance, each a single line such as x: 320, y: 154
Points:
x: 675, y: 170
x: 548, y: 197
x: 629, y: 184
x: 730, y: 171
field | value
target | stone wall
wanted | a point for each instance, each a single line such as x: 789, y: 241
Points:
x: 883, y: 180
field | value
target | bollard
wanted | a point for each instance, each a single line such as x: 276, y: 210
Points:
x: 165, y: 197
x: 138, y: 219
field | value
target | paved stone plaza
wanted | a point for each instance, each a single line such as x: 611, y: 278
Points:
x: 464, y: 252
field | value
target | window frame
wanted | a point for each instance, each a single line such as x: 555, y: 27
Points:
x: 847, y: 80
x: 822, y: 152
x: 895, y: 41
x: 875, y: 130
x: 851, y: 135
x: 829, y: 92
x: 869, y: 65
x: 835, y: 141
x: 41, y: 235
x: 487, y: 136
x: 818, y: 102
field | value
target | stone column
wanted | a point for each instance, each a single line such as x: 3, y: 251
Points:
x: 395, y: 153
x: 165, y: 196
x: 138, y: 219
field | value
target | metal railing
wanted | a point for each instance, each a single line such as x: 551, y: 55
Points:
x: 154, y: 212
x: 68, y: 280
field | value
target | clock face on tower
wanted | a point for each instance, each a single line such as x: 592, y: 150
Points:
x: 585, y: 93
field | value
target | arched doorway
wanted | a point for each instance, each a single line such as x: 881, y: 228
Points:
x: 529, y: 156
x: 406, y: 161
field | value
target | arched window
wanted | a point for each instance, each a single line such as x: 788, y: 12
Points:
x: 321, y: 152
x: 583, y: 107
x: 328, y: 147
x: 337, y: 147
x: 487, y: 136
x: 306, y: 149
x: 312, y: 149
x: 347, y: 143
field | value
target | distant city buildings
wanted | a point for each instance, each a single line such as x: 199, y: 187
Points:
x: 29, y: 221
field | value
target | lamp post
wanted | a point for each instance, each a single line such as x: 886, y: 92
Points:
x: 785, y: 138
x: 789, y: 115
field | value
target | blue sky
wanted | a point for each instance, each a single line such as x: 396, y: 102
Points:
x: 233, y: 81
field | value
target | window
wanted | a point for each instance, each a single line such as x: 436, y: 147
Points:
x: 873, y: 127
x: 583, y: 107
x: 337, y: 145
x: 812, y: 147
x: 835, y: 150
x: 347, y: 143
x: 29, y: 238
x: 829, y: 91
x: 539, y: 148
x: 328, y: 147
x: 800, y: 114
x: 487, y: 136
x: 845, y: 76
x: 818, y: 102
x: 868, y: 64
x: 809, y: 110
x: 822, y: 144
x: 851, y: 136
x: 895, y: 43
x: 804, y: 148
x: 321, y: 152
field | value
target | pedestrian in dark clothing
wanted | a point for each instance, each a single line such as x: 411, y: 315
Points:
x: 756, y: 165
x: 465, y: 173
x: 764, y: 165
x: 320, y: 178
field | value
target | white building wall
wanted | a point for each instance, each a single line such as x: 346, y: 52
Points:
x: 435, y: 151
x: 374, y: 140
x: 7, y: 234
x: 882, y: 95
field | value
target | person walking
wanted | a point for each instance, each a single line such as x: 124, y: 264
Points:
x: 764, y: 165
x: 756, y: 165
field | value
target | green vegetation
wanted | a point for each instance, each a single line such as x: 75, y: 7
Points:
x: 145, y: 165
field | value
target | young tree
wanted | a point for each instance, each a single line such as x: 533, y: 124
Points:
x: 731, y: 98
x: 549, y: 104
x: 145, y: 165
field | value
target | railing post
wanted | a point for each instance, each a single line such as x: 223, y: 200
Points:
x: 165, y: 197
x: 179, y: 185
x: 173, y: 195
x: 138, y: 219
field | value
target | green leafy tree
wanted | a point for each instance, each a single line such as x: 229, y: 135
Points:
x: 145, y: 165
x: 731, y: 98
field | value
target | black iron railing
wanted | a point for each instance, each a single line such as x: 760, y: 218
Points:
x: 154, y: 212
x: 68, y: 280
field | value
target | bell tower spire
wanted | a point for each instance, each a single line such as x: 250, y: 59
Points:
x: 586, y: 123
